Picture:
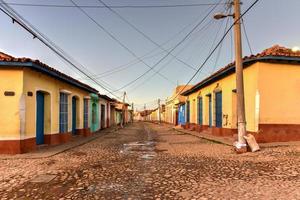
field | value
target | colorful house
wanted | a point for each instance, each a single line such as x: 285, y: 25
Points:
x: 104, y: 104
x: 172, y: 105
x: 271, y: 83
x: 39, y: 105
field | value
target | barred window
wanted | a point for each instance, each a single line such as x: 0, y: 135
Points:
x: 86, y: 113
x: 63, y: 113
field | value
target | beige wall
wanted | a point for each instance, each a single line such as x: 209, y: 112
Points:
x: 35, y: 81
x: 227, y: 84
x: 11, y: 112
x: 279, y: 86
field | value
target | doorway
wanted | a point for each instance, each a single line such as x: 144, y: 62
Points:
x: 102, y: 116
x: 74, y: 114
x: 218, y: 107
x: 40, y: 117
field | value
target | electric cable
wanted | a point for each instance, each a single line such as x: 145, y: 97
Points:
x: 117, y: 40
x: 232, y: 25
x: 178, y: 44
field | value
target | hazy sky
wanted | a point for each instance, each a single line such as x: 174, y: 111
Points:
x: 269, y: 22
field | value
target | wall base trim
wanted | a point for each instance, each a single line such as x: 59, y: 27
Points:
x: 27, y: 145
x: 267, y: 132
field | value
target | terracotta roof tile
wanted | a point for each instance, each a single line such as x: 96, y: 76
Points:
x: 275, y: 51
x: 8, y: 58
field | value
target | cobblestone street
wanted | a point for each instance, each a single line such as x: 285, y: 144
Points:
x: 149, y: 161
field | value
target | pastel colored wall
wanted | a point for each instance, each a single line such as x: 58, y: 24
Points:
x: 35, y: 81
x: 227, y: 85
x: 11, y: 112
x: 279, y: 89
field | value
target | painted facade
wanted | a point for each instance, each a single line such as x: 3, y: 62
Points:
x: 172, y: 104
x: 39, y: 105
x: 271, y: 83
x: 94, y: 113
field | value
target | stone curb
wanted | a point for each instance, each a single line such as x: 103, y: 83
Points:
x: 60, y: 148
x: 204, y: 137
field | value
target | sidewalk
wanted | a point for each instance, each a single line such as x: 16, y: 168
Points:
x: 48, y: 151
x: 227, y: 140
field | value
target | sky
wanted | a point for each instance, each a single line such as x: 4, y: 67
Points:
x: 268, y: 23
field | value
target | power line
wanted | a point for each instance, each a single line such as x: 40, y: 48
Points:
x: 144, y: 34
x: 145, y: 81
x: 247, y: 39
x: 116, y: 39
x: 135, y: 61
x: 178, y: 44
x: 6, y: 9
x: 220, y: 48
x: 219, y: 43
x: 112, y: 6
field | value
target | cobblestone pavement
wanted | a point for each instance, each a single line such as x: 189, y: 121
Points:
x: 148, y: 161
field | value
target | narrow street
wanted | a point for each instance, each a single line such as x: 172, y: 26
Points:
x: 150, y: 161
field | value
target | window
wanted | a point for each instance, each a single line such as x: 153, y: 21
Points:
x: 63, y: 113
x: 86, y: 113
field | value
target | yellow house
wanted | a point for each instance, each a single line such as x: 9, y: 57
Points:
x: 272, y: 98
x: 172, y: 103
x: 39, y: 105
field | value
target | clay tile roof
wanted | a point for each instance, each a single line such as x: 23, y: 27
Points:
x: 275, y: 52
x: 45, y: 69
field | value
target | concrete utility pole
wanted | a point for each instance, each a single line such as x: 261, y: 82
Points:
x: 241, y: 117
x: 159, y: 111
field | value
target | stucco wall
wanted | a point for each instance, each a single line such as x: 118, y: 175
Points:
x: 10, y: 113
x: 226, y: 85
x: 279, y: 86
x: 35, y: 81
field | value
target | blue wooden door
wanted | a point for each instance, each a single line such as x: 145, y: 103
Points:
x: 218, y: 107
x: 73, y: 115
x: 209, y: 111
x: 40, y: 102
x: 200, y: 111
x: 181, y: 114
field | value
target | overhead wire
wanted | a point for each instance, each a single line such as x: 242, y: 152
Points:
x: 112, y: 6
x: 218, y: 44
x: 246, y: 36
x: 143, y: 34
x: 220, y: 47
x: 178, y: 44
x: 135, y: 61
x: 117, y: 40
x: 10, y: 12
x: 162, y: 67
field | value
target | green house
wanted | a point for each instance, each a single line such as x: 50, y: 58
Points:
x: 94, y: 112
